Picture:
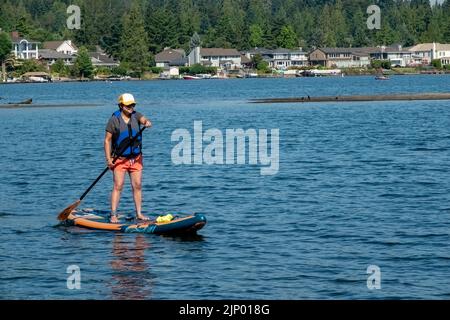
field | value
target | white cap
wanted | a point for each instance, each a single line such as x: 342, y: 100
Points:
x: 126, y: 99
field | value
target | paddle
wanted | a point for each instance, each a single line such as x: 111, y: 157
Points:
x: 65, y: 213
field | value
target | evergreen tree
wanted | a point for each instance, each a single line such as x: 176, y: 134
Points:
x: 83, y: 64
x: 161, y: 27
x: 134, y: 42
x: 287, y: 38
x: 195, y: 41
x: 5, y: 51
x: 256, y: 36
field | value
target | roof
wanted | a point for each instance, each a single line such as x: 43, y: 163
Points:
x: 170, y: 55
x: 52, y: 54
x: 56, y: 44
x: 429, y: 47
x: 207, y: 52
x: 16, y: 38
x: 20, y: 39
x: 360, y: 52
x: 102, y: 58
x: 284, y: 50
x: 260, y: 51
x: 244, y: 59
x: 264, y: 51
x: 337, y: 50
x: 35, y: 74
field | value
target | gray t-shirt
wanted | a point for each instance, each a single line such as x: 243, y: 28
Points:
x: 113, y: 125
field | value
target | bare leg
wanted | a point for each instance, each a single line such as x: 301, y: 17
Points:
x: 136, y: 184
x: 119, y: 178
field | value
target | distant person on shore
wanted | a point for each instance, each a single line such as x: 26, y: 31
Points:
x: 124, y: 124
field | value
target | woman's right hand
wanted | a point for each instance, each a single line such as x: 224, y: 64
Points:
x: 110, y: 164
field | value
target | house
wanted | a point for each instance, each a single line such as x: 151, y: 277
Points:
x: 23, y: 48
x: 171, y: 57
x: 425, y: 53
x: 298, y: 57
x: 246, y: 62
x: 101, y: 59
x: 339, y: 58
x: 216, y: 57
x: 64, y: 46
x: 280, y: 58
x: 51, y: 56
x: 170, y: 72
x: 397, y: 55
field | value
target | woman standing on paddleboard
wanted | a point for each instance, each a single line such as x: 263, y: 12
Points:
x: 123, y: 125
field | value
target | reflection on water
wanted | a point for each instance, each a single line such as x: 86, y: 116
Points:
x: 131, y: 277
x: 185, y: 237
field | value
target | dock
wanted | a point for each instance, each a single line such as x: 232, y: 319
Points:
x: 361, y: 98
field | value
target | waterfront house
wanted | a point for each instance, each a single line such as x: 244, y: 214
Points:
x: 425, y: 53
x: 100, y: 58
x: 51, y: 56
x: 398, y: 56
x: 24, y: 48
x: 64, y: 46
x: 339, y: 58
x: 280, y: 58
x: 216, y: 57
x: 171, y: 58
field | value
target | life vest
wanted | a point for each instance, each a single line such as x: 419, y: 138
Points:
x: 125, y: 134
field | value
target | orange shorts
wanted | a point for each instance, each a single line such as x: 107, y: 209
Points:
x: 129, y: 165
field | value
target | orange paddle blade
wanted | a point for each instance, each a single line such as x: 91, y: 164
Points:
x: 65, y: 213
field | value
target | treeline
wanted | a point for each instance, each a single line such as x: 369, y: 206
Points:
x: 118, y: 25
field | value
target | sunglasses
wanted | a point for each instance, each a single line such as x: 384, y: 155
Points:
x: 131, y: 106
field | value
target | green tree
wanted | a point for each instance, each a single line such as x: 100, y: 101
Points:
x: 161, y: 26
x: 436, y: 63
x: 195, y: 41
x: 256, y: 36
x: 134, y: 42
x: 260, y: 64
x: 60, y: 68
x: 287, y: 38
x: 5, y: 51
x: 83, y: 64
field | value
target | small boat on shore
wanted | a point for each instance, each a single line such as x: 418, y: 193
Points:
x: 187, y: 77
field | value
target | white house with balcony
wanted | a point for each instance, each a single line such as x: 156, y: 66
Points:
x: 24, y: 48
x: 215, y: 57
x: 280, y: 58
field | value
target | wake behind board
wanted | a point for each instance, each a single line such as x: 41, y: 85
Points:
x: 179, y: 225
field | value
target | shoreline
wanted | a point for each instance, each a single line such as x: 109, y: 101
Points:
x: 229, y: 78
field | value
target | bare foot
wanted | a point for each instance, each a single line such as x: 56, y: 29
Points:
x: 142, y: 217
x: 114, y: 219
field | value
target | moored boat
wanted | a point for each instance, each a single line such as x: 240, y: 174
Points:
x: 188, y: 77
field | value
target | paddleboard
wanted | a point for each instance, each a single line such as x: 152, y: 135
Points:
x: 189, y: 224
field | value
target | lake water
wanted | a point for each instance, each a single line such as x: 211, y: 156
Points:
x: 359, y: 184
